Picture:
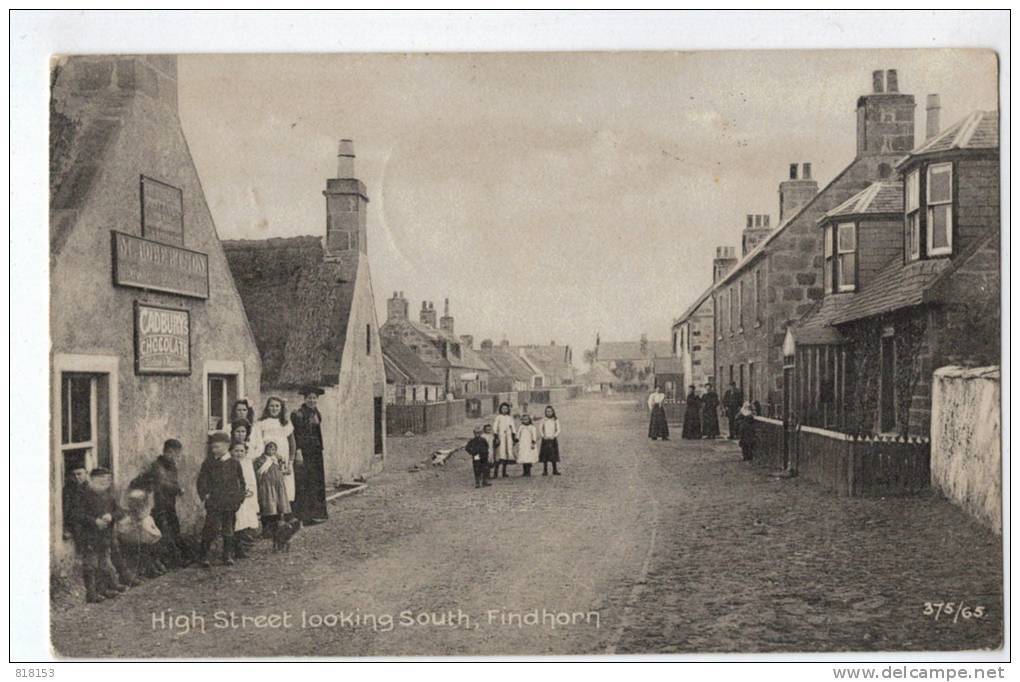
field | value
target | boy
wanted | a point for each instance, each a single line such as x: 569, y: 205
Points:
x: 161, y: 480
x: 221, y: 488
x: 73, y: 496
x: 478, y: 448
x: 101, y: 559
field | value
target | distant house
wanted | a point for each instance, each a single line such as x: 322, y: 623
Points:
x: 911, y: 281
x: 408, y: 379
x: 311, y: 308
x: 631, y: 362
x: 598, y: 378
x: 462, y: 370
x: 509, y: 371
x: 669, y: 376
x: 555, y: 362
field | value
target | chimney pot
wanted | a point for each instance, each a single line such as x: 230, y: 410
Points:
x: 750, y: 220
x: 878, y: 81
x: 345, y: 159
x: 806, y: 171
x: 932, y: 123
x: 892, y: 81
x: 793, y: 171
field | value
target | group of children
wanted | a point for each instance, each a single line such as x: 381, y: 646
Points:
x: 242, y: 485
x: 514, y: 439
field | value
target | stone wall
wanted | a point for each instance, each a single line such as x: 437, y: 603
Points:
x: 966, y: 448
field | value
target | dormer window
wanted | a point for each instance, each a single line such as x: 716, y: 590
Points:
x: 840, y: 268
x: 913, y: 204
x: 940, y: 209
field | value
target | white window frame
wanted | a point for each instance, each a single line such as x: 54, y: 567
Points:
x: 829, y: 259
x: 740, y: 305
x: 912, y: 202
x: 69, y: 363
x: 233, y: 368
x: 838, y: 253
x: 929, y: 210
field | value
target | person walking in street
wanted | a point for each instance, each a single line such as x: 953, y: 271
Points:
x: 527, y: 444
x: 550, y: 451
x: 692, y: 415
x: 478, y: 448
x: 272, y: 492
x: 657, y: 426
x: 221, y: 489
x: 732, y: 401
x: 310, y: 470
x: 744, y: 424
x: 274, y: 426
x: 710, y: 413
x: 505, y: 435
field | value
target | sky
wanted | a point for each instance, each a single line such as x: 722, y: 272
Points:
x: 549, y: 196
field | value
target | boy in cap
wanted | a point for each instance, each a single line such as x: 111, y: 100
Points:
x: 104, y: 571
x: 478, y: 448
x: 222, y: 489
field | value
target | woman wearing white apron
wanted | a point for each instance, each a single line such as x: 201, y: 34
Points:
x: 504, y: 429
x: 275, y: 427
x: 248, y: 521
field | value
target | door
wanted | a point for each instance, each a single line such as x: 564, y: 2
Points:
x: 378, y: 425
x: 887, y: 395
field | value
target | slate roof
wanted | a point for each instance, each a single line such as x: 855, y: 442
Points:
x: 631, y: 350
x: 815, y: 327
x: 298, y: 307
x: 407, y: 363
x: 667, y: 366
x: 469, y: 358
x: 895, y: 286
x: 977, y: 130
x: 553, y: 361
x: 694, y: 306
x: 877, y: 198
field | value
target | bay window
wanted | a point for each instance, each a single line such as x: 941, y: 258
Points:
x: 846, y: 257
x: 940, y: 209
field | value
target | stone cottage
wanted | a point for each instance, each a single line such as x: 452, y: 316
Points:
x: 149, y: 339
x: 312, y: 310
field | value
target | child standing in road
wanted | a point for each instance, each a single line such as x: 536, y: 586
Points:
x: 505, y: 433
x: 527, y: 442
x: 478, y: 448
x: 273, y: 502
x: 221, y: 488
x: 550, y: 452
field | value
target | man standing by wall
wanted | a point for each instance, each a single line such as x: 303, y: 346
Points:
x: 732, y: 400
x: 310, y: 503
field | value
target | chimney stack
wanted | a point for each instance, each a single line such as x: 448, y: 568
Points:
x: 885, y: 118
x: 877, y: 82
x: 346, y: 211
x: 891, y: 81
x: 467, y: 340
x: 396, y: 307
x: 428, y: 315
x: 487, y: 345
x: 757, y: 229
x: 725, y: 259
x: 446, y: 321
x: 932, y: 124
x: 795, y: 193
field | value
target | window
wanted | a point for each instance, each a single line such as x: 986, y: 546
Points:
x: 78, y: 407
x: 827, y: 269
x: 846, y: 257
x: 368, y: 339
x: 759, y: 293
x: 740, y: 305
x: 222, y: 394
x: 750, y: 382
x: 732, y: 305
x: 913, y: 204
x: 940, y: 209
x: 741, y: 384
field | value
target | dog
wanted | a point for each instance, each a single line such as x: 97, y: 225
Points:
x: 283, y: 534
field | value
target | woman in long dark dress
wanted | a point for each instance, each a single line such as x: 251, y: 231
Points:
x: 657, y: 426
x: 692, y: 416
x: 710, y: 413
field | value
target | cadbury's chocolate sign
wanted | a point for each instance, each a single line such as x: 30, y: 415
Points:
x: 162, y: 340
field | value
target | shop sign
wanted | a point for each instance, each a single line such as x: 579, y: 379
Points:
x: 146, y: 264
x: 162, y: 340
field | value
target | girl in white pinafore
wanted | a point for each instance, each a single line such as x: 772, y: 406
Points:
x: 275, y: 427
x: 527, y: 444
x: 503, y: 428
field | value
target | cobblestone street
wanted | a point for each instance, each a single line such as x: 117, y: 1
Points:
x: 676, y: 546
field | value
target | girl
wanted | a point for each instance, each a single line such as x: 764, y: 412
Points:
x: 550, y: 452
x: 274, y: 426
x: 242, y: 410
x: 272, y: 492
x: 744, y: 426
x: 527, y: 443
x: 245, y: 518
x: 505, y: 435
x: 247, y: 525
